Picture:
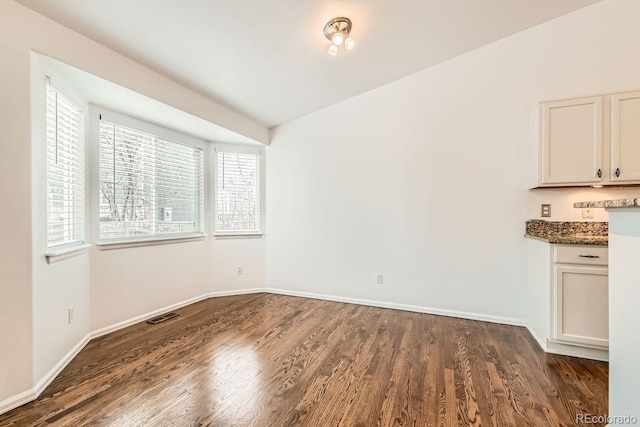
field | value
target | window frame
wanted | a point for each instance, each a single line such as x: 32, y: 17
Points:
x: 242, y: 149
x: 96, y: 114
x: 79, y: 231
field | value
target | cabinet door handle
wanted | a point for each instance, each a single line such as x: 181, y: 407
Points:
x: 599, y: 173
x: 589, y: 256
x: 617, y: 172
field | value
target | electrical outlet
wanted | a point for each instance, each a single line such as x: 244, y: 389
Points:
x: 380, y: 279
x: 71, y: 313
x: 239, y: 270
x: 545, y: 210
x: 587, y: 213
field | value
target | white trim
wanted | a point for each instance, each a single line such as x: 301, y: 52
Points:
x: 225, y: 147
x: 576, y: 351
x: 147, y: 126
x: 404, y: 307
x: 60, y: 254
x: 237, y: 236
x: 553, y: 347
x: 542, y: 343
x: 236, y: 147
x: 98, y: 114
x: 72, y: 175
x: 121, y: 244
x: 33, y: 393
x: 17, y: 400
x: 237, y: 292
x: 132, y: 321
x: 55, y: 371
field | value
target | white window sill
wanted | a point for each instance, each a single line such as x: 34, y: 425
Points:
x: 121, y: 244
x: 64, y: 253
x: 237, y: 235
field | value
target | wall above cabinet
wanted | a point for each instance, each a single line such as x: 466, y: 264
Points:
x: 591, y: 141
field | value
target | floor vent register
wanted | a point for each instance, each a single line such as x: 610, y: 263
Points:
x: 162, y: 318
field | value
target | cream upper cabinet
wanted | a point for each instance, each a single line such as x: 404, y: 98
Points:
x: 572, y: 141
x: 587, y: 141
x: 625, y: 137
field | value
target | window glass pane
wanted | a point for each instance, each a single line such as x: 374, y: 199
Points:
x: 149, y: 186
x: 237, y: 192
x: 65, y: 170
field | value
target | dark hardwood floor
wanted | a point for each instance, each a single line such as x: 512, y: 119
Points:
x: 271, y: 360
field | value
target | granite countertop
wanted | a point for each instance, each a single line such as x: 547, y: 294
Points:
x: 619, y: 203
x: 568, y: 232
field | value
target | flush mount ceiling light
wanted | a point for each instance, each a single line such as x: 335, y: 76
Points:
x: 337, y: 31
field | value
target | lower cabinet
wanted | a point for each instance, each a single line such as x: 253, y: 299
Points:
x: 568, y: 298
x: 581, y: 305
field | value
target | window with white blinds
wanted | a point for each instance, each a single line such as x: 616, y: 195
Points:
x: 237, y: 193
x: 150, y: 187
x: 65, y: 171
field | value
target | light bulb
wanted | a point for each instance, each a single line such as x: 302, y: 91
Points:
x: 349, y: 43
x: 337, y: 39
x: 333, y: 50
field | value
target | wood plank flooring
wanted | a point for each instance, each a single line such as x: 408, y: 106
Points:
x: 270, y: 360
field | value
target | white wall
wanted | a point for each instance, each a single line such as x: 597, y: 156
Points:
x: 132, y: 282
x: 62, y: 284
x: 624, y: 317
x: 226, y: 255
x: 16, y: 374
x: 423, y: 179
x: 129, y: 282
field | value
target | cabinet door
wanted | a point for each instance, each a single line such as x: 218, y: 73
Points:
x: 625, y: 137
x: 581, y: 305
x: 571, y: 148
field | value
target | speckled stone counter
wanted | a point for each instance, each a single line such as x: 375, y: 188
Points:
x: 568, y: 232
x: 619, y: 203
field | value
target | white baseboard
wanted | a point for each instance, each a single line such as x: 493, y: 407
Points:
x: 132, y: 321
x: 55, y: 371
x: 577, y: 351
x: 17, y: 400
x: 542, y: 343
x: 570, y: 350
x: 33, y: 393
x: 404, y: 307
x: 236, y: 292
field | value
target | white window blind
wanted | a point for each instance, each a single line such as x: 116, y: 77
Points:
x: 237, y: 192
x: 65, y: 170
x: 149, y: 186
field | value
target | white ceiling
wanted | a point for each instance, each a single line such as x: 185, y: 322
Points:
x: 267, y: 58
